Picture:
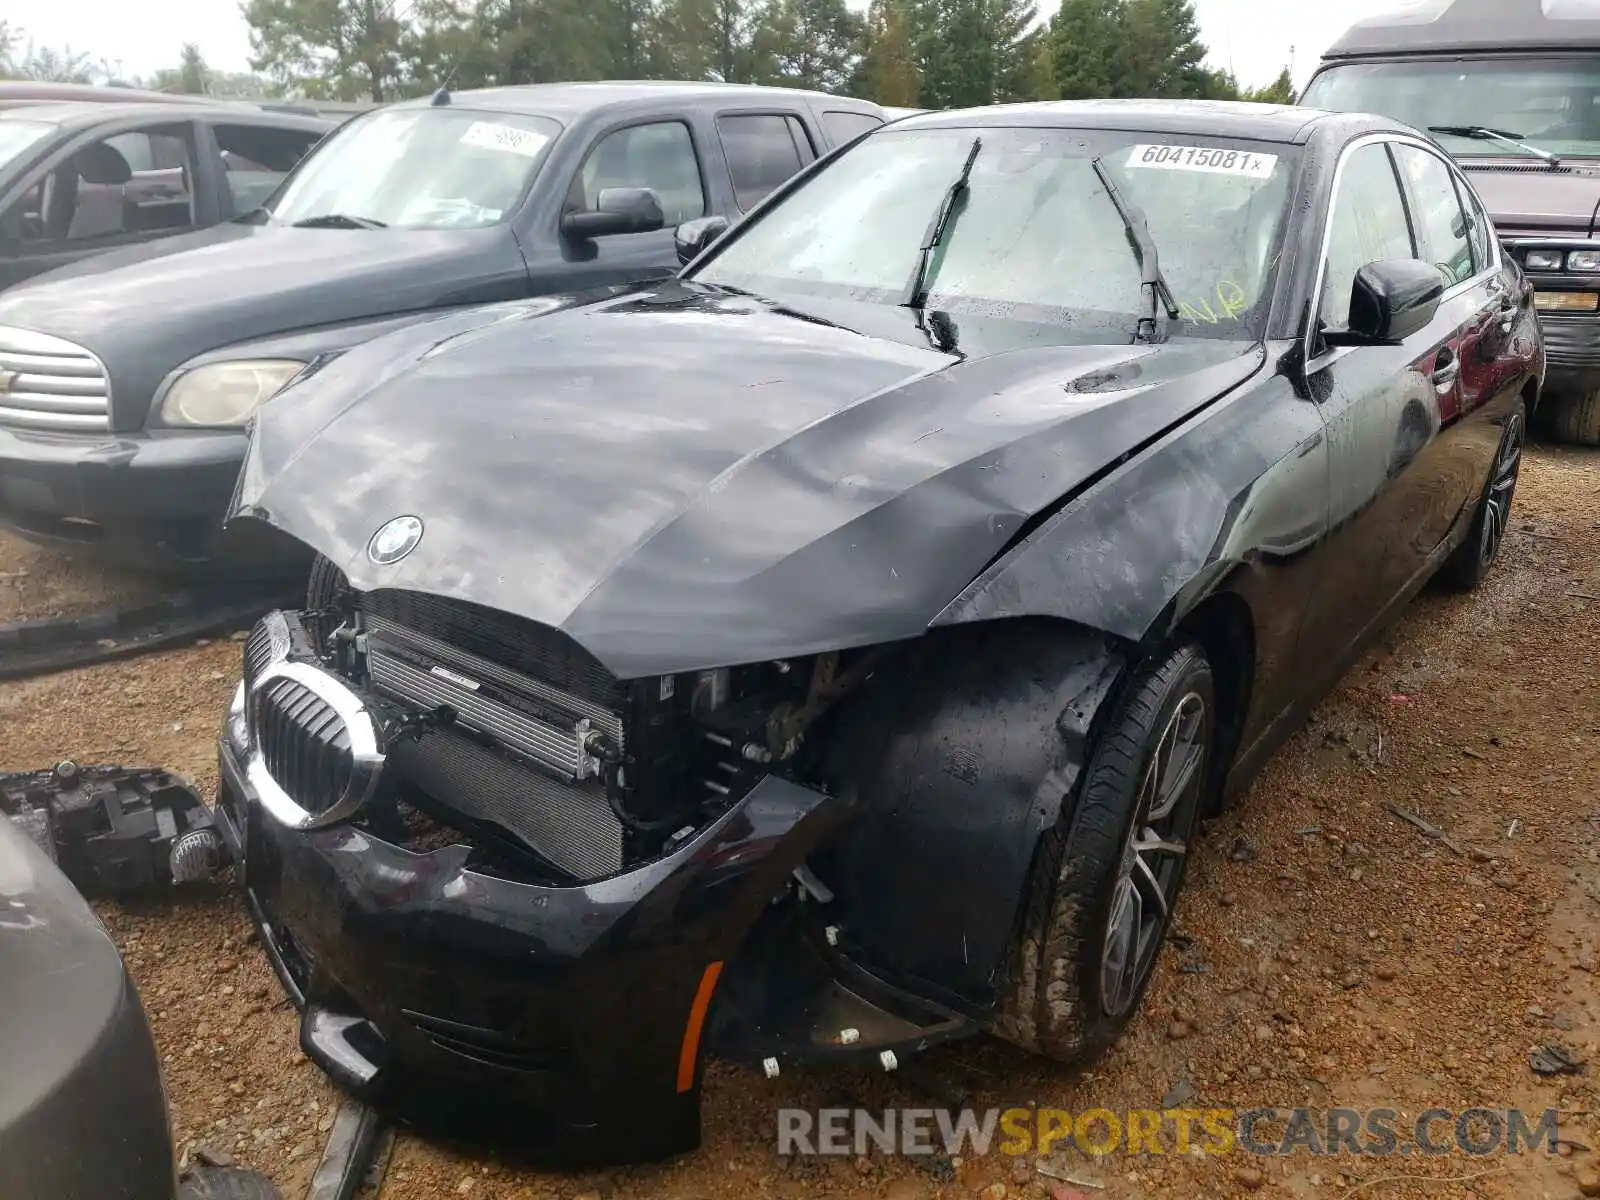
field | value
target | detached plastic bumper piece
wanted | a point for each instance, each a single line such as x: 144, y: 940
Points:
x: 564, y: 1020
x: 115, y: 829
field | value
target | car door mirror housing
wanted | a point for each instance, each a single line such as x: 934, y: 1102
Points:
x: 693, y: 237
x: 1392, y: 299
x: 617, y: 210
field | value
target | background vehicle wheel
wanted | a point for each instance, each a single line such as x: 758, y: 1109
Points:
x: 1469, y: 564
x: 1107, y: 877
x: 1573, y: 419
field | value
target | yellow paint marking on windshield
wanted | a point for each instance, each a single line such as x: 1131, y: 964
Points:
x: 1231, y: 296
x: 1230, y: 299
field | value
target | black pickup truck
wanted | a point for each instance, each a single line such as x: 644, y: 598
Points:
x: 126, y: 382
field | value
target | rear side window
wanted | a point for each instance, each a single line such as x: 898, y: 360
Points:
x: 1479, y: 227
x: 843, y: 127
x: 1441, y: 225
x: 763, y: 150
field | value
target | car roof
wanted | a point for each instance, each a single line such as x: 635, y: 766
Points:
x: 1446, y: 26
x: 570, y: 100
x: 81, y: 113
x: 1216, y: 118
x: 39, y: 91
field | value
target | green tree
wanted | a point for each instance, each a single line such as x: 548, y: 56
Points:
x: 712, y: 39
x: 1132, y: 48
x: 809, y: 43
x: 10, y: 35
x: 342, y: 49
x: 888, y: 72
x: 1083, y: 45
x: 1279, y: 91
x: 50, y: 65
x: 190, y: 76
x: 194, y: 76
x: 1042, y: 73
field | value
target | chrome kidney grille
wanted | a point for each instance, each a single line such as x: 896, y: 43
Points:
x: 313, y: 748
x: 49, y: 383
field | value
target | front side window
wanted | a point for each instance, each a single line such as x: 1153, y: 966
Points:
x: 659, y: 156
x: 1441, y: 224
x: 1036, y: 237
x: 126, y: 186
x: 1368, y: 224
x: 1550, y: 103
x: 418, y: 168
x: 257, y: 158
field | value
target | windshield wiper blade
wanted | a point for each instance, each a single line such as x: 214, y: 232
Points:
x: 916, y: 293
x: 1483, y: 133
x: 339, y: 221
x: 1154, y: 284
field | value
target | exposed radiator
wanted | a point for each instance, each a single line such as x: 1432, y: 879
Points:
x: 569, y: 824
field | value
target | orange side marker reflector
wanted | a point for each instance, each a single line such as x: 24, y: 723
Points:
x: 697, y: 1019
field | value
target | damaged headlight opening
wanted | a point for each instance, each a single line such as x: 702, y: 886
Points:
x: 623, y: 770
x: 226, y: 394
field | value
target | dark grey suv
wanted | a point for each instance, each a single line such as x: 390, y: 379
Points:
x: 126, y: 382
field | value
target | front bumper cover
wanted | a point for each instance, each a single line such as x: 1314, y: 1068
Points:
x: 156, y: 500
x: 1572, y: 351
x: 565, y: 1020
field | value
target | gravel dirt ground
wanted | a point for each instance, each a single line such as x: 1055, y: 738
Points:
x: 1328, y: 953
x: 48, y: 583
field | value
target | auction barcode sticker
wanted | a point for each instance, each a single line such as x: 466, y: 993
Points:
x: 493, y: 136
x: 1211, y: 159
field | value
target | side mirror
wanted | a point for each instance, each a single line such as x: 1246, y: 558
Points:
x: 617, y: 210
x: 1392, y: 299
x: 694, y: 236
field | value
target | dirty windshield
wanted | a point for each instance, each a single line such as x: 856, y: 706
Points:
x: 1549, y: 104
x: 417, y: 168
x: 1034, y: 235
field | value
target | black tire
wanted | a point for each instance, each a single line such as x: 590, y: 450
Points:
x: 1469, y: 564
x: 1573, y: 419
x: 1057, y: 1002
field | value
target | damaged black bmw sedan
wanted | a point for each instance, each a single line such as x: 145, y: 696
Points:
x: 830, y: 651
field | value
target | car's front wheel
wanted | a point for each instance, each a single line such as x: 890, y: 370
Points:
x: 1106, y: 878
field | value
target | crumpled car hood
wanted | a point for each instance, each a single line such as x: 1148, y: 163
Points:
x: 679, y: 479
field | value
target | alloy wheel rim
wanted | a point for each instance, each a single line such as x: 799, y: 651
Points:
x: 1151, y: 866
x: 1502, y: 487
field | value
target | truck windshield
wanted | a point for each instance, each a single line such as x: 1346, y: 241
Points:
x: 1033, y: 234
x: 1553, y: 103
x: 17, y: 136
x: 417, y: 168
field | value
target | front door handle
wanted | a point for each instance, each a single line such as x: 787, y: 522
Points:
x: 1447, y: 369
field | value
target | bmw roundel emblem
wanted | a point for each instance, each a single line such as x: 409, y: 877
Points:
x: 394, y: 540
